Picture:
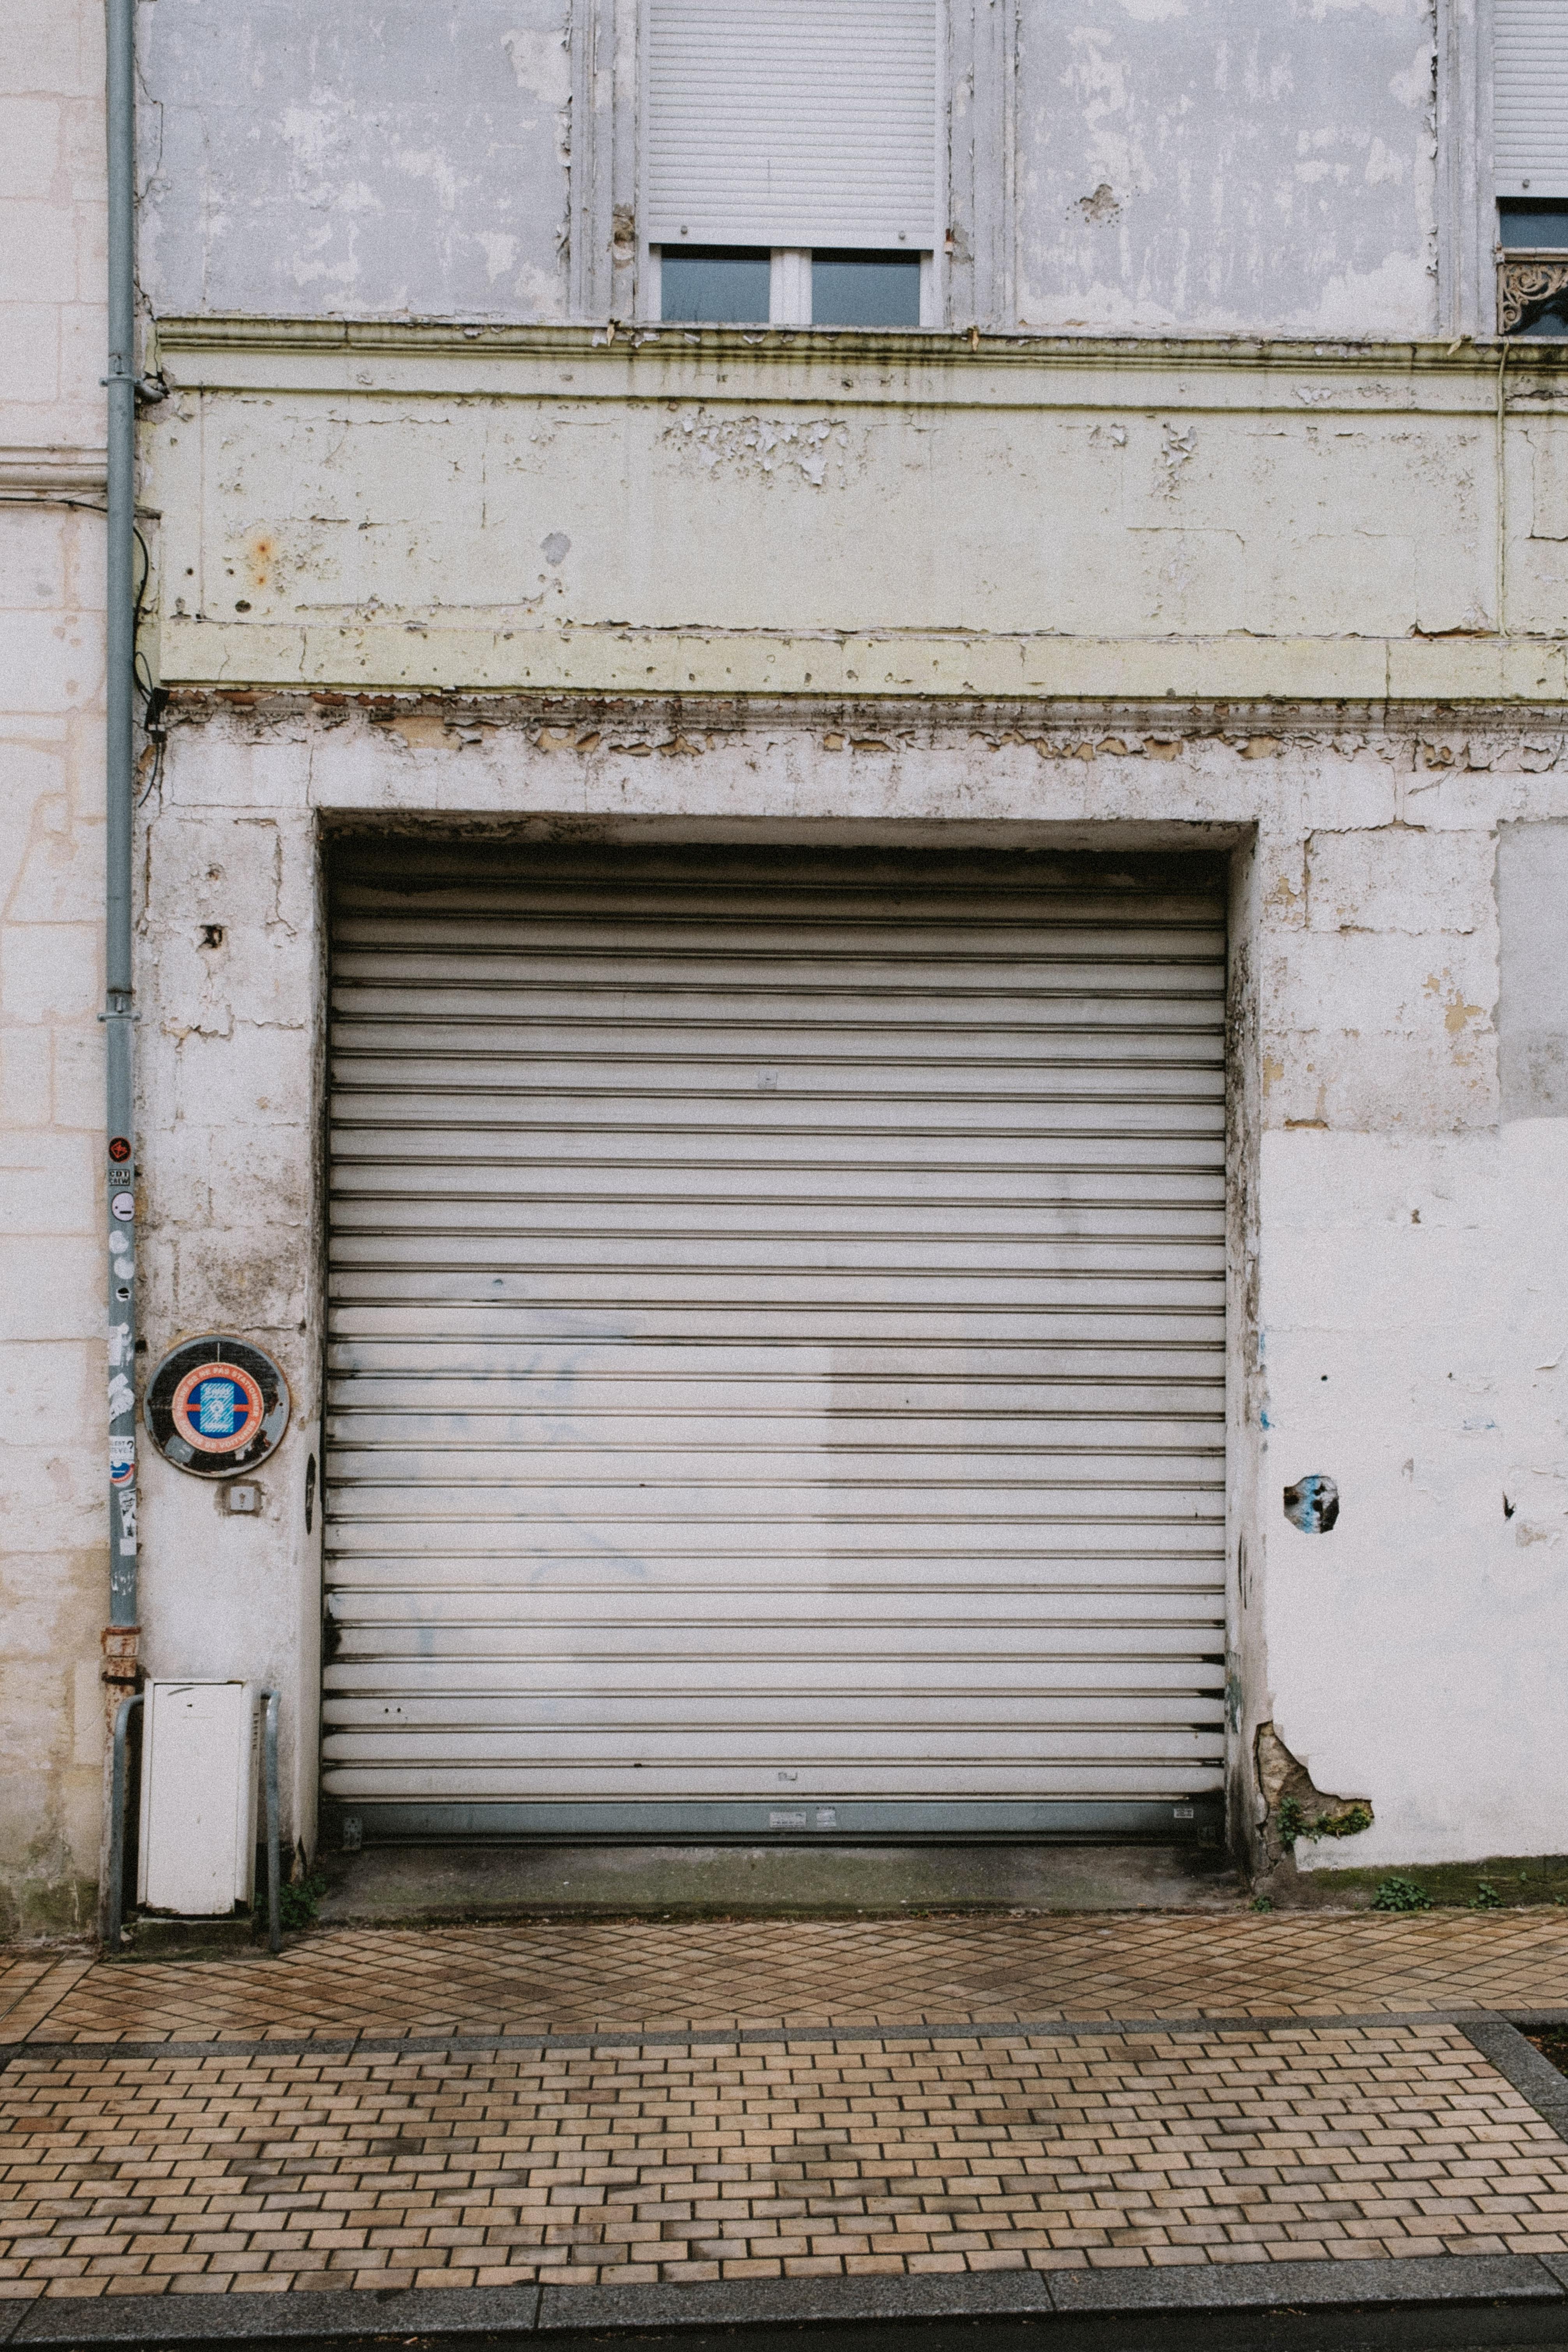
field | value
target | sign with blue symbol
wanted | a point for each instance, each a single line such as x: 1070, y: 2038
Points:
x: 217, y: 1406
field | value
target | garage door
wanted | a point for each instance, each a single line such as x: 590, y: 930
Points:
x: 776, y: 1361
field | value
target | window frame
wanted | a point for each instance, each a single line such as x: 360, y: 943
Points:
x: 789, y: 294
x: 786, y: 294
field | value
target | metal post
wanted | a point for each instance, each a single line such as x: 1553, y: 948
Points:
x: 115, y: 1892
x: 119, y: 1642
x: 269, y: 1751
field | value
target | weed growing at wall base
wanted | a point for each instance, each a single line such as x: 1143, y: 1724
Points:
x: 1401, y: 1895
x: 297, y: 1904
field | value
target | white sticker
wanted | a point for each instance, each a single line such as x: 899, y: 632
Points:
x: 123, y: 1206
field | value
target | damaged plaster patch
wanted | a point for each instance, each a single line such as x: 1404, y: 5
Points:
x: 1178, y: 446
x: 1104, y: 204
x: 540, y: 62
x: 1457, y: 1013
x: 768, y: 445
x: 1296, y: 1808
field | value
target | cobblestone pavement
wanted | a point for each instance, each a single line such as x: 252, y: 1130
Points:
x: 685, y: 2101
x: 565, y: 1977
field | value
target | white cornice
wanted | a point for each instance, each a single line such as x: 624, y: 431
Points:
x: 52, y: 475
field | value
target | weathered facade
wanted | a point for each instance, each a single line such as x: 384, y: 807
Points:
x: 1210, y: 520
x: 53, y: 1541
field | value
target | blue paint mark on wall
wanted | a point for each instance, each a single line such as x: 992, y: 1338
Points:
x: 1312, y: 1503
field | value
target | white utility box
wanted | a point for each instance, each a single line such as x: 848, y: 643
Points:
x: 198, y: 1798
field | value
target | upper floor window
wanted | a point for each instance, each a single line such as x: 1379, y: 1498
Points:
x: 740, y: 286
x: 790, y: 162
x: 1529, y: 144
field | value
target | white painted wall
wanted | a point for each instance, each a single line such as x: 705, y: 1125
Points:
x: 1152, y: 166
x: 53, y: 1550
x: 1312, y: 602
x: 227, y: 1076
x: 1407, y: 1243
x: 1198, y: 165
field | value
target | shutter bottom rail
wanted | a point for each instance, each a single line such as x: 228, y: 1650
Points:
x: 1197, y: 1819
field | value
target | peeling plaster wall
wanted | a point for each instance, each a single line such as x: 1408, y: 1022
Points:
x: 408, y: 158
x: 229, y: 1071
x: 729, y: 516
x: 1400, y: 1309
x: 1193, y: 166
x: 54, y: 1536
x: 1113, y: 165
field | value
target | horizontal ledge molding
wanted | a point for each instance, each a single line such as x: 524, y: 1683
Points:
x: 59, y: 470
x: 928, y: 365
x: 442, y: 655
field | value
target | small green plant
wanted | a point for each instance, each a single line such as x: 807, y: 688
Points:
x: 1263, y: 1903
x: 1401, y: 1895
x: 297, y: 1904
x: 1292, y: 1821
x: 1486, y: 1896
x: 1350, y: 1823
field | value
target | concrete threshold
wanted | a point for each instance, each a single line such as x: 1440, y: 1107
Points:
x: 1426, y: 2301
x: 410, y: 1884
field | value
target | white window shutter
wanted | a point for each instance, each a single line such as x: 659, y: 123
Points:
x: 1530, y: 96
x: 792, y: 122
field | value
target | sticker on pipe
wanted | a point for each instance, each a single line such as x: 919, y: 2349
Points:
x: 216, y: 1406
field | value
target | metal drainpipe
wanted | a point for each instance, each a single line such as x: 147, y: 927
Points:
x: 121, y: 1637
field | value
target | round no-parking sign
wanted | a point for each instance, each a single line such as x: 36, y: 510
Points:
x: 216, y: 1406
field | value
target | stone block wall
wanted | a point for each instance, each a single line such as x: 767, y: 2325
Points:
x: 54, y: 1551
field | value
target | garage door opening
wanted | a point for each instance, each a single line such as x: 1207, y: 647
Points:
x: 776, y: 1359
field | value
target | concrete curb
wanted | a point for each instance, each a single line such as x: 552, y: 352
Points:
x: 1496, y: 2298
x: 1535, y: 2078
x: 720, y: 2038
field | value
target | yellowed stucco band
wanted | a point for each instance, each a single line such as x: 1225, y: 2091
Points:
x: 543, y: 510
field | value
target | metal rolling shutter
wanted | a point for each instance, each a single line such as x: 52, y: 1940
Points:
x: 777, y: 1365
x: 1530, y: 96
x: 792, y: 122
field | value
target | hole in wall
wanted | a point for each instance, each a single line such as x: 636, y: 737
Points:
x: 1312, y: 1503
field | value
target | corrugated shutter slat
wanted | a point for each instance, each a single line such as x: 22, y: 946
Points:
x: 792, y: 122
x: 777, y: 1334
x: 1530, y: 96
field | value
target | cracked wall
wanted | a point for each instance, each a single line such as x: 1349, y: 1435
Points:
x: 229, y: 957
x: 1399, y: 1290
x: 552, y: 510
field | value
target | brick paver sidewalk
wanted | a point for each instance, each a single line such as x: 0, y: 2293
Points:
x: 683, y: 2101
x: 565, y: 1977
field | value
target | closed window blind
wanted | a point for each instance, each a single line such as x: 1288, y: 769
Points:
x: 792, y: 122
x: 1530, y: 106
